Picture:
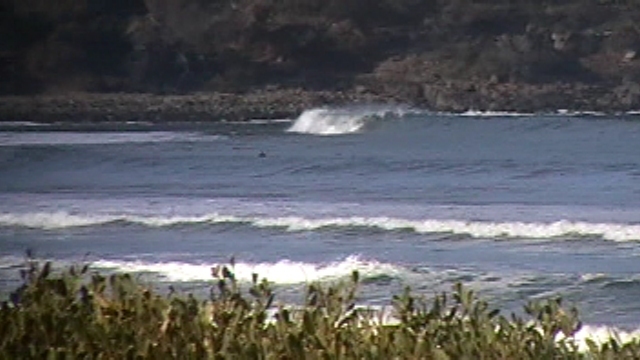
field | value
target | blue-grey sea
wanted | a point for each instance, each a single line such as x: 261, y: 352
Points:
x: 519, y: 207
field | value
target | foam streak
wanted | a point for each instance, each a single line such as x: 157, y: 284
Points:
x: 478, y: 229
x: 103, y: 138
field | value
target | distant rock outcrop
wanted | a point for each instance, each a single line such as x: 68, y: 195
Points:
x: 446, y: 54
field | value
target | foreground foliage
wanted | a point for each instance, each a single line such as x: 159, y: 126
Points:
x: 78, y: 314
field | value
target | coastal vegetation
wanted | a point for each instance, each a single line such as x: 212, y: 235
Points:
x: 442, y: 54
x: 79, y: 313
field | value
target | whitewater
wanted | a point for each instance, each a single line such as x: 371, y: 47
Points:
x: 477, y: 229
x: 516, y: 206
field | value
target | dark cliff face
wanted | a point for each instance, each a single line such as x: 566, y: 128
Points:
x: 173, y: 46
x: 64, y: 45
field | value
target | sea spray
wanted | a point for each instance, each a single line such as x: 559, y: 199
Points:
x: 340, y: 121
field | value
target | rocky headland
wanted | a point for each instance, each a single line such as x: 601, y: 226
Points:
x: 175, y: 60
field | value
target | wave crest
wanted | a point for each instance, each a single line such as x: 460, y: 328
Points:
x: 339, y: 121
x: 283, y: 272
x: 476, y: 229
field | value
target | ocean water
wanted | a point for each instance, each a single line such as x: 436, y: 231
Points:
x: 516, y: 206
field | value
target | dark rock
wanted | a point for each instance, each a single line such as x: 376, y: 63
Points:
x: 448, y: 55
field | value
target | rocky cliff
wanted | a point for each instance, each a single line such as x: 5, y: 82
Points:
x: 444, y: 54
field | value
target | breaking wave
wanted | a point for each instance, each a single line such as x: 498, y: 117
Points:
x: 349, y: 120
x: 283, y: 272
x: 339, y: 121
x: 603, y: 334
x: 476, y: 113
x: 476, y: 229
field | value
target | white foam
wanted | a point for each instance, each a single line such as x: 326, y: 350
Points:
x: 11, y: 261
x: 478, y: 229
x: 53, y: 220
x: 598, y: 334
x: 566, y: 112
x: 593, y: 277
x: 601, y: 335
x: 281, y: 272
x: 339, y: 121
x: 99, y: 138
x: 327, y: 122
x: 19, y: 124
x: 476, y: 113
x: 559, y: 112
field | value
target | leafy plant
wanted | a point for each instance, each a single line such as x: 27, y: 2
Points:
x: 83, y: 314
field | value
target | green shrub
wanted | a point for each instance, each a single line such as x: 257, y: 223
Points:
x: 79, y: 314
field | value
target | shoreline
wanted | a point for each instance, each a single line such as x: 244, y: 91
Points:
x: 270, y: 104
x: 202, y: 107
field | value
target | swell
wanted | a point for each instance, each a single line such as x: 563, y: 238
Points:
x: 8, y: 139
x: 475, y: 229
